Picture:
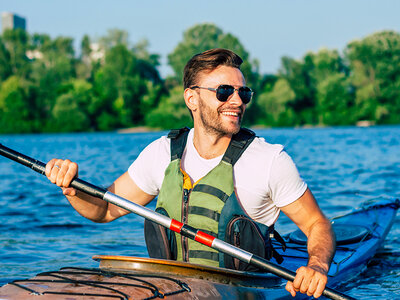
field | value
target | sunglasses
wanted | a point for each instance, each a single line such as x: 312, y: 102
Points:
x: 224, y: 91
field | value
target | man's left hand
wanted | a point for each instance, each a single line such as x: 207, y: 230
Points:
x: 310, y: 280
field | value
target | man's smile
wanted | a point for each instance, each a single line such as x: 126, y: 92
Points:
x: 230, y: 113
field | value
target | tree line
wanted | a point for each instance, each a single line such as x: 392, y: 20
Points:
x: 46, y: 87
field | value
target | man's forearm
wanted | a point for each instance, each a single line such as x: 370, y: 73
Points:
x: 321, y: 246
x: 92, y: 208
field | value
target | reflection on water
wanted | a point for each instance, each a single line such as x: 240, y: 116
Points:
x: 40, y: 231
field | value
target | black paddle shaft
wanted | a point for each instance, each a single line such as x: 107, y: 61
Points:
x: 40, y: 167
x: 101, y: 193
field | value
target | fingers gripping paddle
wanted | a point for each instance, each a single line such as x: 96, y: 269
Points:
x: 171, y: 224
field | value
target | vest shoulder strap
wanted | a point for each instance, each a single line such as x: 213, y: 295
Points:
x: 239, y: 143
x: 178, y: 141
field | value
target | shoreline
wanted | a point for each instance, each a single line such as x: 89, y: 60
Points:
x: 137, y: 129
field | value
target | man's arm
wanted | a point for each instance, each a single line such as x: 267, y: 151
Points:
x: 90, y: 207
x: 306, y: 214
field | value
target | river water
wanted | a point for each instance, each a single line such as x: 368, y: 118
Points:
x: 39, y: 231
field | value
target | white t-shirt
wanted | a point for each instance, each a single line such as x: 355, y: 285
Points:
x: 265, y: 177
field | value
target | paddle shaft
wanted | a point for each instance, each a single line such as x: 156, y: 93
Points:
x: 171, y: 224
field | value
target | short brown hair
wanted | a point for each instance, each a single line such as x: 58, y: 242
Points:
x: 208, y: 61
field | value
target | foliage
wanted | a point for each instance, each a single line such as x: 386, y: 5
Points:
x: 375, y: 64
x: 171, y: 112
x: 45, y: 86
x: 274, y: 104
x: 335, y: 105
x: 15, y: 107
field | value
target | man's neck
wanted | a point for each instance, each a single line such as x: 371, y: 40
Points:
x: 210, y: 145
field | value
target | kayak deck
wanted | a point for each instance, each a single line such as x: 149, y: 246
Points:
x: 135, y: 278
x: 359, y: 234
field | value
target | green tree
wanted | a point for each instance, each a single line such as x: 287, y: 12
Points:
x: 52, y: 71
x: 5, y: 67
x: 274, y: 105
x: 171, y: 112
x: 74, y: 110
x: 114, y: 37
x: 333, y: 92
x: 68, y: 116
x: 16, y: 41
x: 375, y: 64
x: 325, y: 63
x: 15, y: 107
x: 298, y: 74
x: 85, y: 46
x: 203, y: 37
x: 39, y: 41
x: 335, y: 104
x: 122, y: 85
x: 305, y: 75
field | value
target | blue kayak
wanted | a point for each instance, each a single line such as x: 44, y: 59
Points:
x: 359, y: 235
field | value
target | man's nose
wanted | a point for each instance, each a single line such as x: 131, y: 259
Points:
x: 235, y: 99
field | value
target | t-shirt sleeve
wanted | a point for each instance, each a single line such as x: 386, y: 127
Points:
x: 286, y: 185
x: 148, y: 169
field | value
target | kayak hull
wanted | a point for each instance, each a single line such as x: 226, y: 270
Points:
x: 359, y: 234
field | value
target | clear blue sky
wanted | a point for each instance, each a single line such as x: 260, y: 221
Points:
x: 267, y: 29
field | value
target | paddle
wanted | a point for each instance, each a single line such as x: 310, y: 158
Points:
x: 172, y: 224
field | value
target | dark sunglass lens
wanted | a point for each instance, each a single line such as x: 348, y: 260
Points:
x: 224, y: 91
x: 245, y: 94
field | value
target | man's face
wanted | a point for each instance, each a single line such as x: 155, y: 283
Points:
x: 216, y: 117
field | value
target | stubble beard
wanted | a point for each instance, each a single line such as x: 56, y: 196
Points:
x: 212, y: 122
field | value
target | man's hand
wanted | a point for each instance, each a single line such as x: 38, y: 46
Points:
x: 310, y: 280
x: 62, y: 172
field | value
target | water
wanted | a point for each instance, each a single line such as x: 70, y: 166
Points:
x: 41, y: 232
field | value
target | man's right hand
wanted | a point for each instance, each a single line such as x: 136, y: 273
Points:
x: 62, y: 172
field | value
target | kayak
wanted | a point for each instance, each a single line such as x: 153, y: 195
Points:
x: 359, y: 235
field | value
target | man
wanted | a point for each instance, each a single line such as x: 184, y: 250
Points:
x: 188, y: 169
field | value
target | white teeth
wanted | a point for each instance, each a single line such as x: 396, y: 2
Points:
x: 228, y: 113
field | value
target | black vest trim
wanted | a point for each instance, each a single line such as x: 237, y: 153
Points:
x: 204, y: 188
x: 238, y: 145
x: 205, y: 212
x: 204, y: 254
x: 178, y: 142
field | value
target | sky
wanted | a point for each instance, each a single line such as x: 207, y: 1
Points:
x: 267, y: 29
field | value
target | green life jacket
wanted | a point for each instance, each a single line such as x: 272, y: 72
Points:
x: 210, y: 205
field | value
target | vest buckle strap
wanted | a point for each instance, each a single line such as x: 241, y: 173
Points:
x: 205, y: 212
x: 204, y: 188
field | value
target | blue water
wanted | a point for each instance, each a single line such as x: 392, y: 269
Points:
x: 39, y: 230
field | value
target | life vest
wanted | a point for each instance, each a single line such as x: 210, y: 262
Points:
x: 210, y: 205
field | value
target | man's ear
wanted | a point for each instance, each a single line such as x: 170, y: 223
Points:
x: 191, y: 99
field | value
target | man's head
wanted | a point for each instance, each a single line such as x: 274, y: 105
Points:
x: 208, y: 61
x: 215, y: 91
